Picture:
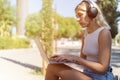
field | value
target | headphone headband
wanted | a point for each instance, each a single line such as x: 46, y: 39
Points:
x: 89, y: 2
x: 91, y: 11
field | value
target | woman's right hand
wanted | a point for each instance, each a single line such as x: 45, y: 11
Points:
x: 64, y: 58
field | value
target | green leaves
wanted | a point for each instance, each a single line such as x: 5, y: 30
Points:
x: 7, y: 18
x: 47, y: 32
x: 68, y: 27
x: 11, y: 43
x: 33, y: 25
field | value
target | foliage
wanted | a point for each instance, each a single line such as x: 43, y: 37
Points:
x: 7, y: 18
x: 47, y: 29
x: 68, y: 27
x: 11, y: 43
x: 37, y: 72
x: 33, y: 25
x: 111, y: 14
x: 117, y: 39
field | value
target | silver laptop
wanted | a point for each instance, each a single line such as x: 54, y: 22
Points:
x: 42, y: 52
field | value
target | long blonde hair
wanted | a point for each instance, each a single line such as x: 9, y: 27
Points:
x: 100, y: 20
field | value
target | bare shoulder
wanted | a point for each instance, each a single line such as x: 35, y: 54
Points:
x: 105, y: 33
x: 105, y: 40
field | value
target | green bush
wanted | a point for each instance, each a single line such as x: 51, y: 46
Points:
x: 10, y: 43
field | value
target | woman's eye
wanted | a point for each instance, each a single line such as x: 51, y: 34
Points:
x: 79, y: 15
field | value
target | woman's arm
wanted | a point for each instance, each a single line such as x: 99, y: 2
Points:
x: 101, y: 66
x: 104, y: 42
x: 81, y: 53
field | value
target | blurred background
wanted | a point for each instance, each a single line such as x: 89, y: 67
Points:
x: 22, y: 20
x: 53, y: 21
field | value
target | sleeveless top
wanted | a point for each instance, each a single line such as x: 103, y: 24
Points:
x: 91, y: 47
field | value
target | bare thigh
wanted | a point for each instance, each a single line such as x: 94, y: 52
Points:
x: 66, y: 72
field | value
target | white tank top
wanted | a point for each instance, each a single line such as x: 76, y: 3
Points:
x: 91, y: 47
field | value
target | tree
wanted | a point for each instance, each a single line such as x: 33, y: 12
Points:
x: 47, y: 30
x: 68, y: 27
x: 47, y: 34
x: 109, y: 9
x: 22, y: 12
x: 7, y: 18
x: 33, y: 25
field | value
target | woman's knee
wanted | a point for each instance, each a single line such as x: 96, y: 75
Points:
x: 56, y: 66
x: 52, y: 67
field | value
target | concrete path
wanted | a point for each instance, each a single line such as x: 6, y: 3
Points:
x: 19, y: 64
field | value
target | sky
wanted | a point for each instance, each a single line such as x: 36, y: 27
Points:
x: 63, y: 7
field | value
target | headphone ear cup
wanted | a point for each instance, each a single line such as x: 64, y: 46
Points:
x: 92, y: 12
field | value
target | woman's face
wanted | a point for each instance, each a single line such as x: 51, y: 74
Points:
x: 81, y: 15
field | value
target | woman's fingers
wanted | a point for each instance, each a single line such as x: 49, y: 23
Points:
x: 63, y: 58
x: 58, y: 58
x: 54, y: 56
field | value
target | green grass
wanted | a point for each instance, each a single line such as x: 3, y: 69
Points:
x: 36, y: 72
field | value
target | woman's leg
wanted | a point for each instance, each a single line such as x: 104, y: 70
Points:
x: 54, y: 71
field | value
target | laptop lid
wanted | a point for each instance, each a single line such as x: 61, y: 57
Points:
x: 43, y: 54
x: 41, y: 49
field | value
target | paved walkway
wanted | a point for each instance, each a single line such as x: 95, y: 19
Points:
x: 115, y: 61
x: 18, y: 64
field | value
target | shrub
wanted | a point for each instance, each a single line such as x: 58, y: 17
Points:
x: 10, y: 43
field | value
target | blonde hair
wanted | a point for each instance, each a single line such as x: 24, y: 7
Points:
x: 100, y: 20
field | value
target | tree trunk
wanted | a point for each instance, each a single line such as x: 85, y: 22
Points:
x: 43, y: 67
x: 22, y: 12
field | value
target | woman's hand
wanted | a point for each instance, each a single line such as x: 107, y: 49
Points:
x: 65, y: 58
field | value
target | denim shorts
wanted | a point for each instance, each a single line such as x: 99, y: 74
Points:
x: 107, y: 76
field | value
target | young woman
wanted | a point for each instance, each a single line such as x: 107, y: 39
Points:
x: 95, y: 51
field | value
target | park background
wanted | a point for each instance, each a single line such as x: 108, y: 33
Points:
x: 53, y: 21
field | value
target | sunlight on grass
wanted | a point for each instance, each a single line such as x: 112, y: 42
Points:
x: 36, y: 72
